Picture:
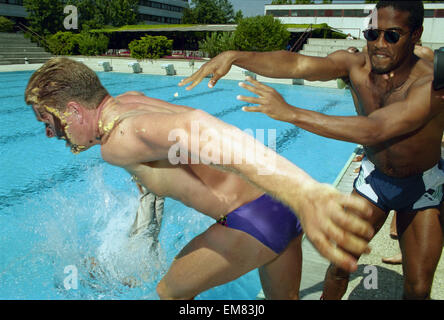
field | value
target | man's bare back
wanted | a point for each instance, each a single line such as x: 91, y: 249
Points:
x: 204, y: 188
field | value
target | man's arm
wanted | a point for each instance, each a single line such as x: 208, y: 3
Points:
x: 320, y: 207
x: 420, y: 105
x: 277, y: 64
x: 424, y: 53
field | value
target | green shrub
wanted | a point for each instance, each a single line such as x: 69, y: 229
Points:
x: 150, y: 47
x: 68, y: 43
x: 216, y: 43
x: 261, y: 33
x: 63, y: 43
x: 92, y: 44
x: 6, y: 25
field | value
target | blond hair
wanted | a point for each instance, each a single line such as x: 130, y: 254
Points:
x: 61, y: 80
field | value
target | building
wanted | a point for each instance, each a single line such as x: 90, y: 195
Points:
x: 150, y: 12
x: 162, y: 11
x: 351, y: 17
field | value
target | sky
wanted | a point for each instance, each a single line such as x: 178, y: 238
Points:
x: 256, y: 7
x: 250, y: 7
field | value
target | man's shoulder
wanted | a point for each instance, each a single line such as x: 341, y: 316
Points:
x: 131, y: 93
x: 351, y: 58
x: 422, y: 75
x: 118, y: 149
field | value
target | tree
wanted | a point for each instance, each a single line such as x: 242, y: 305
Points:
x: 209, y: 12
x: 303, y: 2
x: 6, y: 25
x: 227, y: 9
x: 96, y: 14
x: 150, y: 47
x: 45, y: 17
x: 261, y: 33
x: 281, y: 2
x: 238, y: 16
x: 91, y: 15
x: 217, y: 42
x: 120, y: 12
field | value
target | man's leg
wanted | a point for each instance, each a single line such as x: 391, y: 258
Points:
x: 281, y: 278
x: 397, y: 258
x: 217, y: 256
x: 421, y: 246
x: 393, y: 231
x: 336, y: 279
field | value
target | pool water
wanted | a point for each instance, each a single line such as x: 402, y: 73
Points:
x: 64, y: 219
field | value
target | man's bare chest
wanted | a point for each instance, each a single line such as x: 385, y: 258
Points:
x: 370, y: 96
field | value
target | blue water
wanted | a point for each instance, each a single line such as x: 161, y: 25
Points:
x: 58, y: 211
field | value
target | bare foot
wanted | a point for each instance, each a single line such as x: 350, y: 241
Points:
x: 358, y: 158
x: 396, y: 259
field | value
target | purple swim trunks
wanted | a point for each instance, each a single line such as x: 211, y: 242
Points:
x: 267, y: 220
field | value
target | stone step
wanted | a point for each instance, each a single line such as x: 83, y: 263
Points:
x: 11, y: 35
x: 22, y: 43
x: 22, y: 61
x: 338, y: 42
x: 18, y: 55
x: 20, y: 49
x: 326, y: 48
x: 313, y: 53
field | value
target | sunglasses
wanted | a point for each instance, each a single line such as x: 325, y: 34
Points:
x: 391, y: 36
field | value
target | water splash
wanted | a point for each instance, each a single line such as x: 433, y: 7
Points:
x: 87, y: 229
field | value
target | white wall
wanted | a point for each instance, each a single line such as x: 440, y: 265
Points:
x: 433, y: 27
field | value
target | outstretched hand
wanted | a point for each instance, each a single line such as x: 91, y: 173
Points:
x: 269, y: 101
x: 218, y: 67
x: 335, y: 224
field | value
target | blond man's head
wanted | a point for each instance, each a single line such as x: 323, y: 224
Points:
x: 61, y: 80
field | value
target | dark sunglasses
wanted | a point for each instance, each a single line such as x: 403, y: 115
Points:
x: 391, y: 36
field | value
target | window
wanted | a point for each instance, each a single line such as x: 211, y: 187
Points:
x: 153, y: 18
x: 439, y: 13
x: 337, y: 13
x: 429, y: 13
x: 16, y: 2
x: 306, y: 13
x: 158, y: 5
x: 279, y: 13
x: 355, y: 13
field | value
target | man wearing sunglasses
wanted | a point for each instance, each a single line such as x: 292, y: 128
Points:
x: 400, y: 123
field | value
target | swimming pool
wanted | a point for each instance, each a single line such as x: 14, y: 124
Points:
x: 57, y: 210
